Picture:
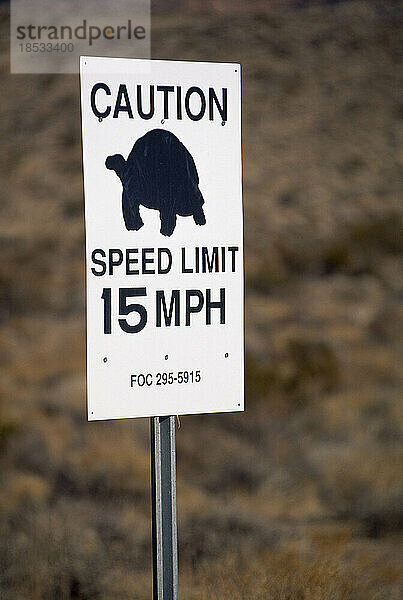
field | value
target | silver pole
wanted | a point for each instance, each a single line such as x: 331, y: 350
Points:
x: 164, y: 522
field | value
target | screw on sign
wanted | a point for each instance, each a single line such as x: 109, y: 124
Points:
x: 164, y: 248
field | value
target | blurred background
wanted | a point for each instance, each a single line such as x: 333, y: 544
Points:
x: 301, y: 496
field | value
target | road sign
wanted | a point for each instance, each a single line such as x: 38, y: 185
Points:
x: 164, y: 237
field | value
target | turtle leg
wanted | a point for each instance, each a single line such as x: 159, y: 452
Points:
x: 131, y: 214
x: 199, y: 216
x: 196, y: 202
x: 168, y: 222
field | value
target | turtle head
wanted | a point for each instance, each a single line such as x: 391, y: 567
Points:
x: 116, y: 163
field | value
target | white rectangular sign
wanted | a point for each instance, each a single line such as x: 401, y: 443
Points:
x: 164, y: 237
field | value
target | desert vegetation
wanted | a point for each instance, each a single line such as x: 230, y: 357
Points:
x: 300, y: 498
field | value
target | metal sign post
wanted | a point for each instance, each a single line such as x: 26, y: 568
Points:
x: 164, y: 522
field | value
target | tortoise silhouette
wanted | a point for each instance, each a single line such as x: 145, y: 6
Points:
x: 159, y: 173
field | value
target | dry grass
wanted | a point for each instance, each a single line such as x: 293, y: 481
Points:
x: 300, y: 498
x: 292, y: 576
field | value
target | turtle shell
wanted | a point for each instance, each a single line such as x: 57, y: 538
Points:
x: 161, y: 174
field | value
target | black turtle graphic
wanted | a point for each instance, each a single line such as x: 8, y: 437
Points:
x: 159, y: 173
